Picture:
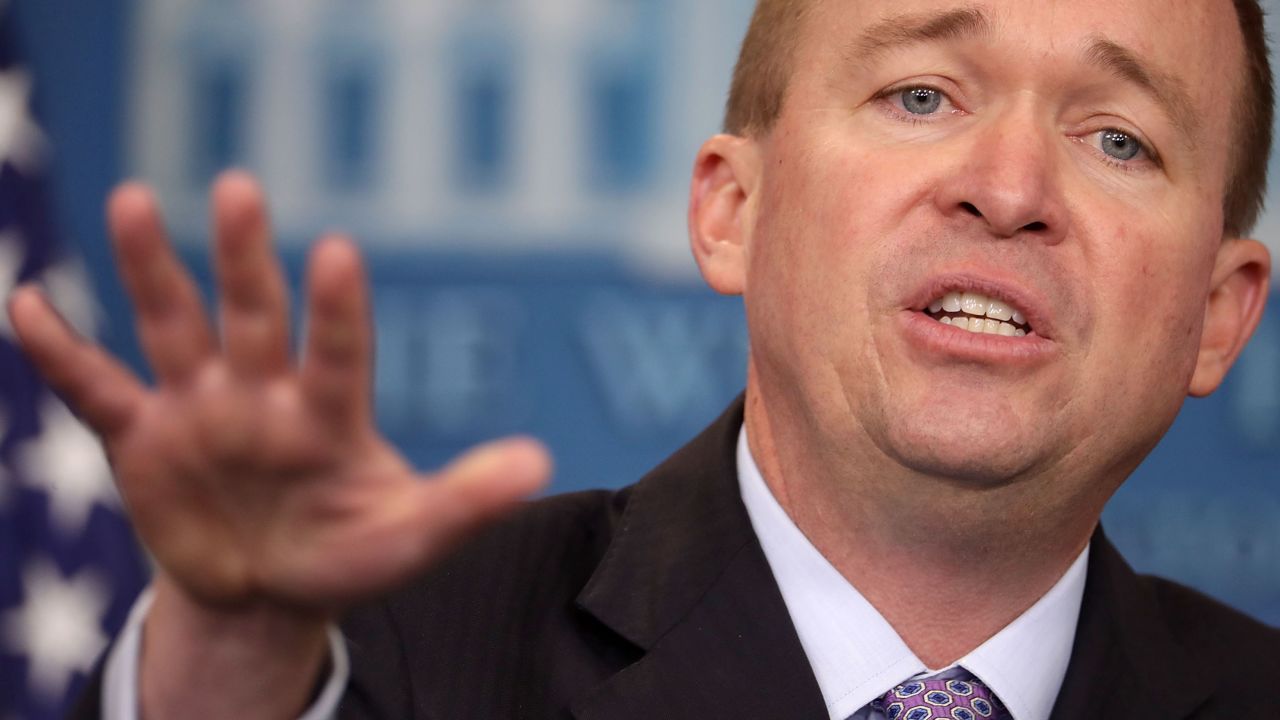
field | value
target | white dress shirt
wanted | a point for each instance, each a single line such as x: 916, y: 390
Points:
x: 855, y: 653
x: 857, y: 656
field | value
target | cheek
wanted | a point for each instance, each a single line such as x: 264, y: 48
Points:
x: 805, y: 265
x: 1157, y: 316
x: 827, y: 208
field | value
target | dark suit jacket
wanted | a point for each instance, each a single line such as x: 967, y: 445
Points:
x: 656, y: 601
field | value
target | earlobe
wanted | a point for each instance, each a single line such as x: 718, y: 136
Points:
x: 1241, y: 280
x: 724, y: 182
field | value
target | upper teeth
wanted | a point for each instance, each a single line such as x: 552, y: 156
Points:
x: 977, y: 305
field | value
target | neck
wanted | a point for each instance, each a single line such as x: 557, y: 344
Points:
x: 994, y: 551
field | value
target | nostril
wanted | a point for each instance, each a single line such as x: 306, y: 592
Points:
x: 1036, y: 226
x: 971, y: 209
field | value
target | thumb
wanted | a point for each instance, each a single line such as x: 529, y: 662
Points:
x: 478, y: 487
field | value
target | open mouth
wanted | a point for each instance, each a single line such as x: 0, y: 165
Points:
x: 978, y: 313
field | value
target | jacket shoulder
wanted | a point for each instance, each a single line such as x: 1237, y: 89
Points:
x: 495, y: 625
x: 1239, y: 649
x: 559, y: 535
x: 544, y: 550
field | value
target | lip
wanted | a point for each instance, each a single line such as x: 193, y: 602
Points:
x: 1027, y: 301
x: 942, y: 340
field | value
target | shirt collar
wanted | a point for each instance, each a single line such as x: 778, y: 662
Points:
x: 856, y: 654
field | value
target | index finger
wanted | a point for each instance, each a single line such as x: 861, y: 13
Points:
x: 336, y: 364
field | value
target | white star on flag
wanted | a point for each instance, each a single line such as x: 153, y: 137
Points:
x: 21, y: 140
x: 67, y: 462
x: 57, y: 627
x: 11, y: 259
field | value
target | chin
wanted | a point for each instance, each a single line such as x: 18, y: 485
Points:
x: 978, y: 459
x: 971, y: 471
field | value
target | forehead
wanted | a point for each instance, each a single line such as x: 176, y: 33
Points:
x: 1194, y: 44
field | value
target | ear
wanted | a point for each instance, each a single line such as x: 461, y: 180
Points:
x: 725, y: 178
x: 1241, y: 278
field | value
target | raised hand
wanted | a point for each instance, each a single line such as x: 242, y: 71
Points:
x: 254, y: 478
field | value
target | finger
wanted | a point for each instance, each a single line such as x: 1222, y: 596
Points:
x: 475, y: 489
x: 172, y: 325
x: 339, y: 336
x: 254, y: 301
x: 101, y: 390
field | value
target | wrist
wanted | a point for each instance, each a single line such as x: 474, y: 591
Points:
x: 256, y: 660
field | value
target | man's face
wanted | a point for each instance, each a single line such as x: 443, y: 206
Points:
x: 1066, y: 159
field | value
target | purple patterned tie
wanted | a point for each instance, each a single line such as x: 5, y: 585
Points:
x: 940, y: 699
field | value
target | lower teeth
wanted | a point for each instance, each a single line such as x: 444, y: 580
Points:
x: 985, y: 326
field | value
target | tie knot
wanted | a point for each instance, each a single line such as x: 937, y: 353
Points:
x: 940, y: 699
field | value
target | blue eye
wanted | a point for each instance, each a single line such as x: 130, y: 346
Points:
x: 921, y: 100
x: 1119, y: 145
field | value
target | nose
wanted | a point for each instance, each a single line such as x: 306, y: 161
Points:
x: 1007, y: 180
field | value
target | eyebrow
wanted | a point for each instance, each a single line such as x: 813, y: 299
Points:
x: 1169, y: 92
x: 900, y: 30
x: 894, y: 32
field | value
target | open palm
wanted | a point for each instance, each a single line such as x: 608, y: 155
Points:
x: 249, y: 475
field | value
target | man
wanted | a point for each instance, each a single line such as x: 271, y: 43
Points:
x: 985, y: 250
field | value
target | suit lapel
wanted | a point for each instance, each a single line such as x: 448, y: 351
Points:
x: 685, y: 580
x: 1125, y: 663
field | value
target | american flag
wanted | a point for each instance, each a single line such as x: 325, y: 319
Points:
x: 69, y: 566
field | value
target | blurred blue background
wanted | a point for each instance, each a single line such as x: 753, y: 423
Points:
x: 516, y: 171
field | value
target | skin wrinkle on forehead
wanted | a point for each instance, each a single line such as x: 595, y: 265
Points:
x: 899, y: 30
x: 1168, y: 91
